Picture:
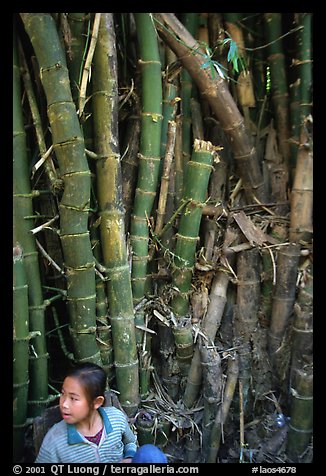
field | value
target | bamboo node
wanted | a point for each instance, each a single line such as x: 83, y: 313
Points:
x: 187, y: 238
x: 85, y: 267
x: 76, y: 299
x: 140, y: 258
x: 88, y: 330
x: 92, y: 358
x: 143, y: 157
x: 37, y: 357
x: 154, y: 115
x: 234, y: 126
x: 145, y: 192
x: 191, y: 163
x: 133, y: 363
x: 20, y: 385
x: 114, y: 272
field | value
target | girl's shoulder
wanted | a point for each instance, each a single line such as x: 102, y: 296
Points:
x: 56, y: 430
x: 111, y: 410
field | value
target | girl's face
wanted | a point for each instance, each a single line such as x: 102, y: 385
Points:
x: 74, y: 405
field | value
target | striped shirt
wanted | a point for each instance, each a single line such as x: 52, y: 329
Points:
x: 64, y: 444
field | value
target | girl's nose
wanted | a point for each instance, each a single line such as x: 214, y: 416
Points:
x: 64, y: 402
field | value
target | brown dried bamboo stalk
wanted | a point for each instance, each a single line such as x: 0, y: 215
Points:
x: 216, y: 92
x: 302, y: 328
x: 283, y: 300
x: 171, y: 134
x: 246, y: 315
x: 301, y: 225
x: 220, y: 419
x: 212, y: 388
x: 210, y: 323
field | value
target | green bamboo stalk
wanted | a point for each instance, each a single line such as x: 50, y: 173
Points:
x: 190, y: 21
x: 301, y: 422
x: 20, y: 353
x: 22, y: 224
x: 69, y: 147
x: 279, y: 85
x: 103, y: 332
x: 196, y: 183
x: 178, y: 163
x: 149, y: 154
x: 304, y: 62
x: 109, y: 188
x: 37, y: 123
x: 295, y: 124
x: 76, y: 56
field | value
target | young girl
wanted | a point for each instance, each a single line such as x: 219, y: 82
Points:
x: 88, y: 433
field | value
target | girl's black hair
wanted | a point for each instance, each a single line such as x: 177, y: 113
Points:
x: 92, y: 378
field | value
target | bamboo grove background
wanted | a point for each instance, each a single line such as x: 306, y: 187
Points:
x: 162, y: 202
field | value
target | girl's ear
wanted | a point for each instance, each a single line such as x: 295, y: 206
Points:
x: 98, y: 402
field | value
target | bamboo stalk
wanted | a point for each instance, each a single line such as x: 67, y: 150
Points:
x: 304, y: 62
x: 212, y: 389
x: 198, y: 172
x: 149, y: 152
x: 20, y: 353
x: 209, y: 326
x: 222, y: 413
x: 280, y: 96
x: 282, y: 304
x: 23, y: 222
x: 220, y: 100
x: 109, y: 188
x: 69, y: 147
x: 178, y: 163
x: 190, y: 21
x: 301, y: 216
x: 48, y: 163
x: 169, y: 150
x: 302, y: 327
x: 87, y: 65
x: 246, y: 316
x: 301, y: 423
x: 129, y: 162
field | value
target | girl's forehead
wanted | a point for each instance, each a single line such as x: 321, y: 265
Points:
x: 72, y: 385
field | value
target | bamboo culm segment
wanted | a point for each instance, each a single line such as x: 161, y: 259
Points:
x: 246, y: 315
x: 149, y: 150
x: 23, y: 208
x: 280, y: 96
x: 209, y: 326
x: 112, y: 227
x: 69, y: 147
x: 301, y: 423
x: 20, y: 352
x: 196, y: 182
